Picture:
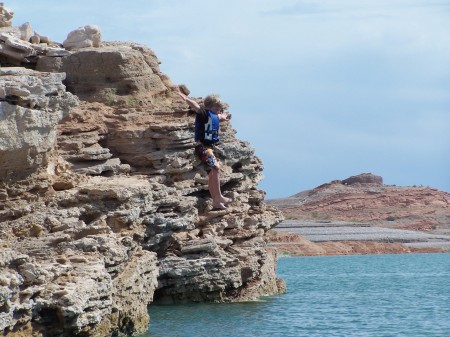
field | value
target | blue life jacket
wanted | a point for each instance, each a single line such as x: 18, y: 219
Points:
x: 207, y: 131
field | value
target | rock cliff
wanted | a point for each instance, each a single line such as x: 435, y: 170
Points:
x: 103, y: 206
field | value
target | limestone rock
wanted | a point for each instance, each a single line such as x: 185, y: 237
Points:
x: 20, y: 45
x: 26, y: 31
x: 79, y: 277
x: 32, y: 103
x: 184, y: 89
x: 15, y: 50
x: 6, y: 16
x: 110, y: 72
x: 83, y: 37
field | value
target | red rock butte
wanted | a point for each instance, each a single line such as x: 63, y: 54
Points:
x: 364, y: 201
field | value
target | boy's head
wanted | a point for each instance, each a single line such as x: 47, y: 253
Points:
x: 214, y: 102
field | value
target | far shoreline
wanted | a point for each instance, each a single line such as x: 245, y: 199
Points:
x: 287, y: 255
x: 307, y: 238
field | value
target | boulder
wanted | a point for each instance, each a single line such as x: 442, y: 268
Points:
x: 83, y: 37
x: 6, y: 16
x: 26, y: 31
x: 109, y: 72
x: 16, y: 50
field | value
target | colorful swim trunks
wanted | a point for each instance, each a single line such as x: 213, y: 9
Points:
x: 206, y: 155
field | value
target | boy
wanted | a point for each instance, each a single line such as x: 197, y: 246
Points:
x: 207, y: 122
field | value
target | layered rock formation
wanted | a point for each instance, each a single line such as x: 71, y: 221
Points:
x: 362, y: 215
x: 364, y: 198
x: 104, y: 207
x: 20, y: 45
x: 31, y: 106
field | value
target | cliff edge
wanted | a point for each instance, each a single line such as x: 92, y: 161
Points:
x: 103, y: 206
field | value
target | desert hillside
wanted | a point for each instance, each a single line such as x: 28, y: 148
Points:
x: 363, y: 212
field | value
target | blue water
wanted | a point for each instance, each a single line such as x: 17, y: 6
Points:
x: 372, y: 295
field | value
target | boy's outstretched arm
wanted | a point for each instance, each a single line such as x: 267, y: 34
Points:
x: 193, y: 104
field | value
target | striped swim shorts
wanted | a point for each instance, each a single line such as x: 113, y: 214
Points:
x: 206, y: 155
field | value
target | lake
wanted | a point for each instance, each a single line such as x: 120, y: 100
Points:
x: 367, y: 295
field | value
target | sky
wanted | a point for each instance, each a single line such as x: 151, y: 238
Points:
x: 323, y: 89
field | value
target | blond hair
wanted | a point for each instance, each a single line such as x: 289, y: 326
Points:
x: 214, y: 101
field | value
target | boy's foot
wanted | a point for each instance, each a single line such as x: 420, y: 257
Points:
x: 218, y: 207
x: 226, y: 201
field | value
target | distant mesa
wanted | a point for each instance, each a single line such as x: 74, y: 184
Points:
x: 360, y: 215
x: 364, y: 198
x: 364, y: 178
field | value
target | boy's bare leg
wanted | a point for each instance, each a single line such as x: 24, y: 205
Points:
x: 219, y: 201
x: 214, y: 188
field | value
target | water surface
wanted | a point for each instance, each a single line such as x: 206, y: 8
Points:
x: 372, y: 295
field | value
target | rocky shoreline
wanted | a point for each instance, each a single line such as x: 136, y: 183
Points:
x: 103, y: 206
x: 302, y: 238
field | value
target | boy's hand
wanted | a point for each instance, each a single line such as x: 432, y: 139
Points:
x: 223, y: 116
